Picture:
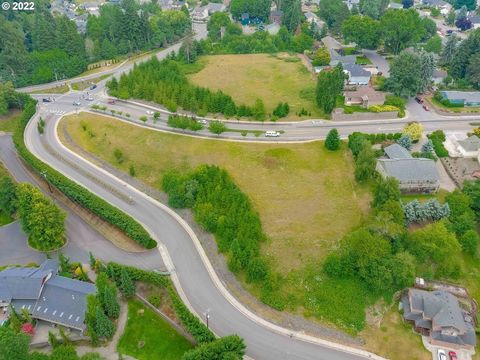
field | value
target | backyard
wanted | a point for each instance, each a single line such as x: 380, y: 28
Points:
x: 148, y: 336
x: 271, y: 78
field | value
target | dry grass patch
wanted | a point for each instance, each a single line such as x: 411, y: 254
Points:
x: 394, y: 339
x: 9, y: 121
x: 307, y: 197
x: 263, y: 76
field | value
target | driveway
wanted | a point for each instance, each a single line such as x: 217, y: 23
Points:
x: 82, y: 237
x: 379, y: 61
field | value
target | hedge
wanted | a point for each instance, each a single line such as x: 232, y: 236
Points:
x: 438, y: 137
x: 76, y: 192
x: 191, y: 322
x: 230, y: 347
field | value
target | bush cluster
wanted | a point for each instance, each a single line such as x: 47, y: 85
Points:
x: 184, y: 122
x: 75, y: 192
x: 431, y: 210
x: 383, y: 108
x: 230, y: 347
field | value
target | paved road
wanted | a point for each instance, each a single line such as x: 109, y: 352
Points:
x: 81, y: 236
x: 200, y: 31
x: 378, y: 60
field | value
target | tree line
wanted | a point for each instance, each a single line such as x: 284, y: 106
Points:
x: 38, y: 47
x: 165, y: 83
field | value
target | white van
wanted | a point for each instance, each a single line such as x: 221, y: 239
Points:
x: 272, y: 133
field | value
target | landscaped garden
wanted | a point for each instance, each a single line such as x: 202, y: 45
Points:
x: 148, y: 336
x: 271, y: 78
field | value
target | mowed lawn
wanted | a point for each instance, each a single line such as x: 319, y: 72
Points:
x: 147, y: 336
x: 306, y: 196
x: 261, y: 76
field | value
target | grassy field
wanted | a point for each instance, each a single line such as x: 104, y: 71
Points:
x: 82, y: 85
x: 272, y: 79
x: 394, y: 339
x: 160, y: 339
x: 298, y: 189
x: 9, y: 122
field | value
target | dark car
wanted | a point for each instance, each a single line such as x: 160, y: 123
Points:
x: 94, y: 86
x: 47, y: 100
x: 418, y: 99
x: 111, y: 101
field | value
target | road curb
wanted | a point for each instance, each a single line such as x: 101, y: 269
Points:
x: 213, y: 276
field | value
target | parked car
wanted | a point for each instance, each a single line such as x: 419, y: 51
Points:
x: 202, y: 121
x: 442, y: 355
x: 94, y: 86
x: 272, y: 133
x: 149, y: 112
x: 449, y: 32
x: 77, y: 103
x: 90, y: 98
x: 418, y: 99
x: 452, y: 355
x: 111, y: 101
x: 425, y: 107
x: 47, y: 100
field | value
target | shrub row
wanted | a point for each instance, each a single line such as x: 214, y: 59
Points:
x: 74, y: 191
x: 383, y: 108
x: 191, y: 322
x: 437, y: 138
x: 184, y: 122
x: 378, y: 138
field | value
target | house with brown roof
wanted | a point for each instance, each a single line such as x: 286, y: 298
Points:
x: 365, y: 96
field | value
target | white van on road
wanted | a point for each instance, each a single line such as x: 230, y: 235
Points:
x: 272, y: 133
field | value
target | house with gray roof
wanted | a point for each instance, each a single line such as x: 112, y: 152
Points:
x: 438, y: 316
x: 465, y: 98
x: 469, y: 148
x: 415, y: 175
x: 357, y: 75
x: 45, y: 295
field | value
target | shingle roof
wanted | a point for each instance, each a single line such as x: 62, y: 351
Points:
x: 396, y: 151
x: 23, y: 283
x: 356, y: 70
x: 46, y: 295
x: 438, y: 310
x: 470, y: 144
x: 410, y: 170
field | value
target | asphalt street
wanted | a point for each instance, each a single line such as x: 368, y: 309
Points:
x: 195, y: 280
x: 82, y: 238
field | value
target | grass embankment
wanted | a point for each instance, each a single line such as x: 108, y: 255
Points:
x: 60, y: 89
x: 85, y: 84
x: 148, y: 336
x: 273, y: 79
x: 298, y: 189
x: 9, y: 121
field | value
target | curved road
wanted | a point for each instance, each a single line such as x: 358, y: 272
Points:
x: 192, y: 273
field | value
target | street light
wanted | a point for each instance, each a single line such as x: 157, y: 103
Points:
x: 44, y: 174
x: 207, y: 316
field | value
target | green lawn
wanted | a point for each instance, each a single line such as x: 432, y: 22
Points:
x: 9, y: 121
x: 159, y: 339
x: 363, y: 60
x: 273, y: 79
